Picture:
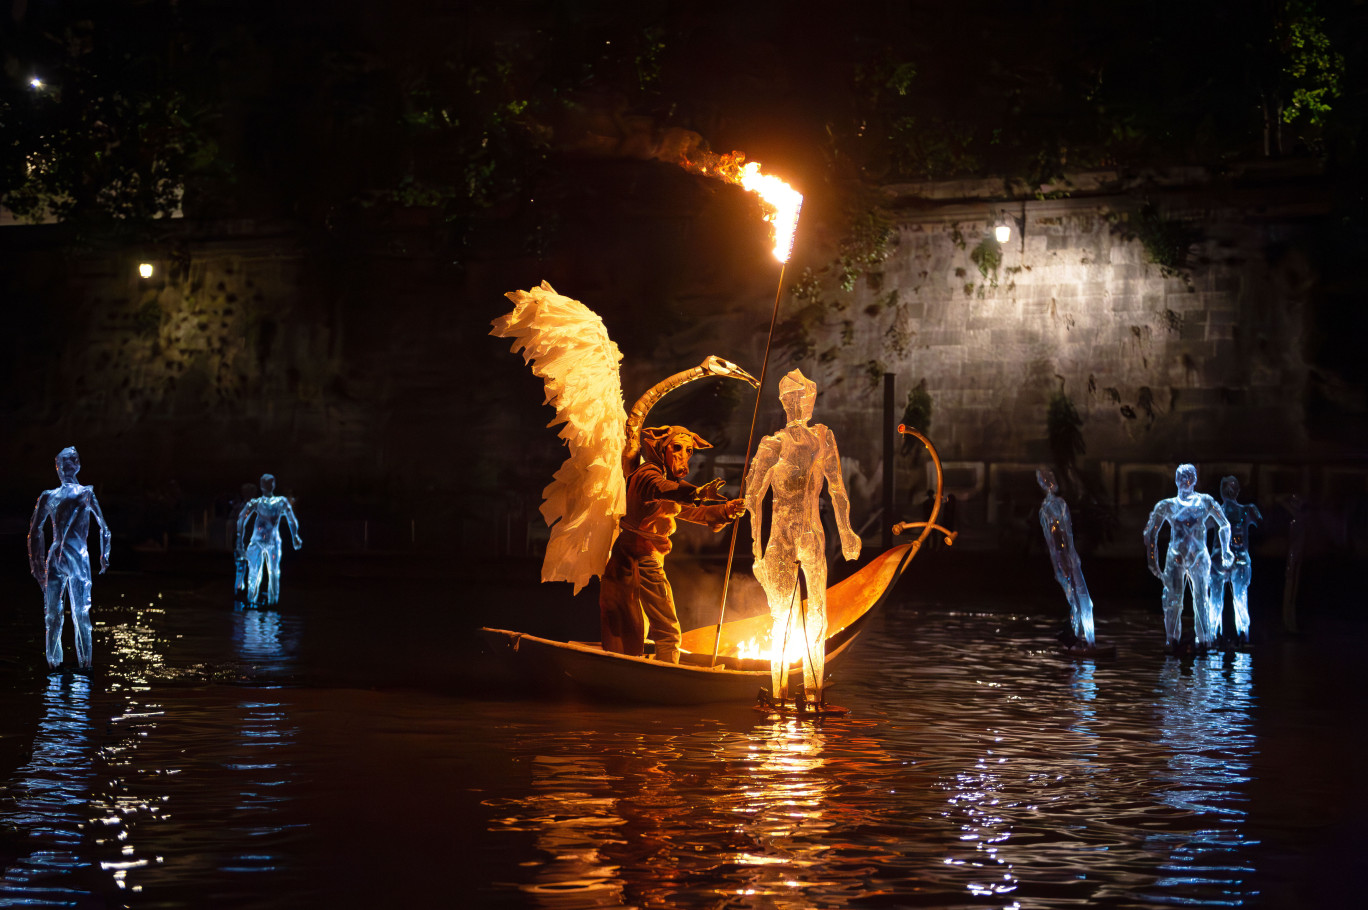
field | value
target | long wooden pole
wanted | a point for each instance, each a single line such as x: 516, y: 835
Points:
x: 745, y: 464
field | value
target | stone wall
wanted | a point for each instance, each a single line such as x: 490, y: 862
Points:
x: 1206, y: 363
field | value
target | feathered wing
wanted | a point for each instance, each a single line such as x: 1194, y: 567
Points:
x: 568, y: 346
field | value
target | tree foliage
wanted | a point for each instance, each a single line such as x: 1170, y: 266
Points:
x: 330, y: 111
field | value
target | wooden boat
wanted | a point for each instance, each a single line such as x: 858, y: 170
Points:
x: 712, y: 667
x: 587, y: 668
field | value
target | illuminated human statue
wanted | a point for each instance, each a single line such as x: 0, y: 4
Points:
x: 1187, y: 515
x: 1241, y: 517
x: 263, y: 552
x: 794, y: 463
x: 1058, y: 528
x: 64, y: 568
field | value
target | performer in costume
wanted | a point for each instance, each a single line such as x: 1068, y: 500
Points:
x: 635, y: 593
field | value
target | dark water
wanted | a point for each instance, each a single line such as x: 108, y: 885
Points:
x: 336, y: 752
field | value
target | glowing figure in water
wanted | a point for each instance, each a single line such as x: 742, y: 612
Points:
x: 793, y: 463
x: 1237, y: 576
x: 1058, y: 528
x: 263, y: 553
x: 1187, y: 515
x: 65, y: 567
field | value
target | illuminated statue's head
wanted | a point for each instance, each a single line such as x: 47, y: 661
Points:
x: 1186, y: 479
x: 68, y: 464
x: 267, y: 485
x: 670, y: 449
x: 1045, y: 477
x: 797, y: 394
x: 1230, y: 488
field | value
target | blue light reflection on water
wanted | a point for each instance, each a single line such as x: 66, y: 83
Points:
x: 978, y: 768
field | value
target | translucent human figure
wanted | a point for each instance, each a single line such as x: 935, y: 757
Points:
x: 1187, y: 515
x: 794, y: 463
x: 64, y: 568
x: 1241, y: 517
x: 1058, y: 528
x: 263, y: 553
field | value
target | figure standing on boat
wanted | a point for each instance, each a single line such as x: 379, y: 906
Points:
x: 64, y: 568
x: 794, y: 463
x: 1057, y: 525
x: 263, y: 553
x: 635, y: 595
x: 1187, y: 558
x: 1241, y: 517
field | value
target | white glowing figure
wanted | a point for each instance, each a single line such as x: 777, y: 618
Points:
x: 1187, y: 515
x: 64, y: 568
x: 1241, y: 517
x: 1059, y: 540
x: 794, y: 463
x: 263, y: 553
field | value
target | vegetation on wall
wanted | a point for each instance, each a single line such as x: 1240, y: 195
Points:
x: 917, y: 415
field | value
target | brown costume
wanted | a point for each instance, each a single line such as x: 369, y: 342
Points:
x: 634, y: 591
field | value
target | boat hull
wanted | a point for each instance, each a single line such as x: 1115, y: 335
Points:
x: 585, y: 668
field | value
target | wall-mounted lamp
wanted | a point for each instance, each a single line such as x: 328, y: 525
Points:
x: 35, y: 83
x: 145, y: 270
x: 1002, y: 231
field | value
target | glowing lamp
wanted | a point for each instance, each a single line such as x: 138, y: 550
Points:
x: 1003, y: 233
x: 145, y: 269
x: 36, y: 83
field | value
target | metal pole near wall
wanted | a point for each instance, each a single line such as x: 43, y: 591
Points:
x: 889, y: 432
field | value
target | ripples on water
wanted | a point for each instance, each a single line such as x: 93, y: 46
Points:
x: 207, y: 763
x: 975, y: 772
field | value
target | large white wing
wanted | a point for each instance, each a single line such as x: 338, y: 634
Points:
x: 568, y: 346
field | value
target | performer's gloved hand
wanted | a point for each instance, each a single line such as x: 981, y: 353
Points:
x: 710, y: 492
x: 736, y: 508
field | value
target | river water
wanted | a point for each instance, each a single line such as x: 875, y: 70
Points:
x: 340, y: 751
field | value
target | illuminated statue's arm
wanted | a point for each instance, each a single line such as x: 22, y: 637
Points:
x: 37, y: 540
x: 104, y: 530
x: 840, y: 500
x: 757, y: 484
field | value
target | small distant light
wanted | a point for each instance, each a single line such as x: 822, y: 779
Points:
x: 1003, y: 233
x: 35, y: 82
x: 145, y: 269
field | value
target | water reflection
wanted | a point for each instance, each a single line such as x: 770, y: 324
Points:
x: 1205, y: 723
x: 45, y: 799
x: 975, y: 772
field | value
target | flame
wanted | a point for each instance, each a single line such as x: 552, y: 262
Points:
x: 754, y: 649
x: 781, y: 202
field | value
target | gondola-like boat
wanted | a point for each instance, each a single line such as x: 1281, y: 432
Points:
x: 714, y: 666
x: 587, y: 668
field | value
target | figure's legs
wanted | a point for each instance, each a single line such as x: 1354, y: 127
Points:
x: 657, y: 602
x: 621, y: 625
x: 1173, y: 600
x: 273, y: 564
x: 52, y: 605
x: 1080, y: 605
x: 1216, y: 588
x: 781, y: 591
x: 814, y: 625
x: 78, y: 595
x: 1239, y: 586
x: 1199, y: 575
x: 255, y: 558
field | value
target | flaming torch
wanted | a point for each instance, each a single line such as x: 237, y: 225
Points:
x: 781, y: 203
